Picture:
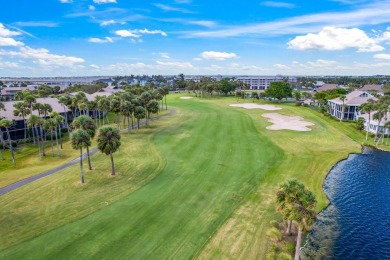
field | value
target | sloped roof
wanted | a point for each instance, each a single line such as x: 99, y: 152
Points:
x: 377, y: 88
x: 374, y: 121
x: 53, y: 102
x: 355, y: 98
x: 326, y: 87
x: 101, y: 94
x: 88, y: 96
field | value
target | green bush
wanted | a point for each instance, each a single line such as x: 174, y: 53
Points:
x: 284, y: 256
x: 274, y: 234
x: 274, y: 223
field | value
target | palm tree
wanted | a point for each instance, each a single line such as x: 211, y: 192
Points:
x: 139, y: 113
x: 65, y: 101
x: 59, y: 121
x: 22, y: 110
x: 152, y: 107
x: 31, y: 101
x: 146, y: 97
x: 87, y: 124
x: 127, y: 111
x: 368, y: 108
x: 387, y: 126
x: 381, y: 111
x: 104, y: 105
x: 6, y: 123
x: 115, y: 108
x: 50, y: 125
x: 80, y: 139
x: 296, y: 203
x: 34, y: 121
x: 109, y: 141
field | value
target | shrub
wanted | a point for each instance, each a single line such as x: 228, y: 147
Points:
x: 274, y: 223
x: 284, y: 256
x: 274, y: 234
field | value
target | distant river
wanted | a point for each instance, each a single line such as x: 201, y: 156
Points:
x: 356, y: 225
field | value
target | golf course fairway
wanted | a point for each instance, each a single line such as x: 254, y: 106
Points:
x: 199, y: 184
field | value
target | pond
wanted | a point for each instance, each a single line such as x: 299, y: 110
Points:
x: 356, y: 225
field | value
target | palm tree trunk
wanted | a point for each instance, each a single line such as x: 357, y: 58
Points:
x: 52, y: 145
x: 58, y: 148
x: 146, y: 119
x: 112, y: 164
x: 166, y: 107
x: 128, y: 124
x: 89, y: 159
x: 59, y: 131
x: 368, y: 126
x: 39, y: 145
x: 43, y: 142
x: 10, y: 147
x: 33, y: 136
x: 289, y: 224
x: 298, y: 245
x: 25, y: 129
x: 81, y: 165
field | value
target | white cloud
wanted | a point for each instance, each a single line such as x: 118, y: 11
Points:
x: 104, y: 1
x: 382, y: 56
x: 105, y: 23
x: 164, y: 55
x: 98, y: 40
x: 66, y: 1
x: 169, y: 8
x: 94, y: 66
x: 204, y: 23
x: 215, y: 55
x: 137, y: 33
x: 43, y: 57
x: 332, y: 38
x: 5, y: 41
x: 8, y: 64
x: 126, y: 33
x: 174, y: 65
x: 281, y: 67
x: 91, y: 7
x: 374, y: 12
x: 4, y: 32
x: 278, y: 4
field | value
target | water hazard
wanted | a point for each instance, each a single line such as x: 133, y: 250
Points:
x: 356, y: 225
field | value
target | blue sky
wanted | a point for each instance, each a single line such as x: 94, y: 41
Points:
x: 123, y: 37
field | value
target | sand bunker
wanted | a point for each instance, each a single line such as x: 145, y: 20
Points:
x: 185, y: 97
x: 256, y: 106
x: 281, y: 122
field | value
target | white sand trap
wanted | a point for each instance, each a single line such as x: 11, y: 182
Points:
x: 256, y: 106
x: 185, y: 97
x: 281, y: 122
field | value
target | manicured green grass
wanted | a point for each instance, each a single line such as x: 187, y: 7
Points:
x: 198, y: 184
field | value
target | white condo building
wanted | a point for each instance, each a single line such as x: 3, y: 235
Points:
x: 259, y: 82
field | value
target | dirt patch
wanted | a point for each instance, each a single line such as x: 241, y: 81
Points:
x: 281, y: 122
x: 256, y: 106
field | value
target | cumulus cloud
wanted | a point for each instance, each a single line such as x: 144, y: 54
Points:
x: 126, y: 33
x: 278, y: 4
x: 215, y: 55
x: 43, y: 57
x: 104, y: 1
x: 4, y: 41
x: 66, y: 1
x: 98, y: 40
x: 332, y: 38
x: 91, y: 7
x: 4, y: 32
x: 382, y: 56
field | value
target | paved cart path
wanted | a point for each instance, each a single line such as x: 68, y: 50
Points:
x: 28, y: 180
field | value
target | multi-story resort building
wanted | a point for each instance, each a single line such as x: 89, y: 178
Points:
x: 351, y: 103
x: 263, y: 82
x: 259, y: 82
